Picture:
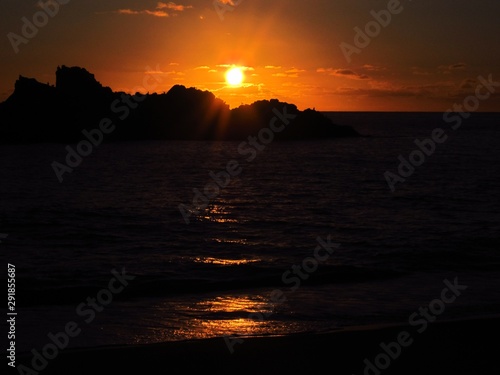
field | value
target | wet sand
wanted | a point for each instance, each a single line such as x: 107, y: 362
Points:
x: 444, y: 348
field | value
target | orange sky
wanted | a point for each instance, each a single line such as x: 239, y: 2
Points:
x: 428, y: 56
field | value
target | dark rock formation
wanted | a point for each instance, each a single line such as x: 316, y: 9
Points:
x: 38, y: 112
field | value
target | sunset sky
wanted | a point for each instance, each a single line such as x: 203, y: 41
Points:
x: 427, y: 58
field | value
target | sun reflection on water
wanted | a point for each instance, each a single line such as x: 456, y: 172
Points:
x: 224, y: 315
x: 224, y: 262
x: 218, y: 213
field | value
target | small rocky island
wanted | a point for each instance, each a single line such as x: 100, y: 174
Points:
x: 38, y: 112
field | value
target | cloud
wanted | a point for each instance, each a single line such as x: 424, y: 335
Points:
x: 373, y: 68
x: 415, y: 70
x: 244, y: 68
x: 204, y: 67
x: 290, y: 73
x: 468, y: 83
x: 294, y: 71
x: 349, y: 73
x: 346, y: 73
x: 41, y: 4
x: 465, y: 88
x: 173, y: 6
x: 155, y: 13
x: 229, y: 2
x: 170, y: 73
x: 160, y: 10
x: 448, y: 69
x: 459, y: 66
x: 434, y: 90
x: 286, y: 75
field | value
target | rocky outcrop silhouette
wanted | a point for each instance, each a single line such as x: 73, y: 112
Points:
x: 38, y: 112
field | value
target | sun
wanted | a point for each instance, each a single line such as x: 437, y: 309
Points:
x: 235, y: 76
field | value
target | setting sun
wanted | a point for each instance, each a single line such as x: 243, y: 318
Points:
x: 235, y: 76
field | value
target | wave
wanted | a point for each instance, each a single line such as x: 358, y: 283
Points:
x: 239, y: 277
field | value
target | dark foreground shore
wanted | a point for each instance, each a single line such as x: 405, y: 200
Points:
x: 465, y: 347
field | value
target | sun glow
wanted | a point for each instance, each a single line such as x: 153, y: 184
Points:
x: 235, y: 76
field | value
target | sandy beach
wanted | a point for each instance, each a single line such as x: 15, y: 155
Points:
x: 462, y: 347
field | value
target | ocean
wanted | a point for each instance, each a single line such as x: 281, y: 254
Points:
x: 248, y: 264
